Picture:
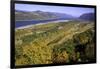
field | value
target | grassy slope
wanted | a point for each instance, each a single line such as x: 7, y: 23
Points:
x: 42, y: 44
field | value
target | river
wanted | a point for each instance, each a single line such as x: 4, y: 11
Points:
x: 31, y: 22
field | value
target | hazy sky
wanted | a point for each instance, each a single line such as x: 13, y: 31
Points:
x: 74, y: 11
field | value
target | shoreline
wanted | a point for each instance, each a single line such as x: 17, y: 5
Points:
x: 36, y: 19
x: 27, y: 26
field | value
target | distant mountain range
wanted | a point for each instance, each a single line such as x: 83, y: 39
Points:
x: 87, y: 16
x: 41, y: 15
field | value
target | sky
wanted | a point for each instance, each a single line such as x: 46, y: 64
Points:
x: 74, y: 11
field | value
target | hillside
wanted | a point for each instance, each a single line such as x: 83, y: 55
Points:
x: 88, y: 17
x: 39, y: 15
x: 64, y: 42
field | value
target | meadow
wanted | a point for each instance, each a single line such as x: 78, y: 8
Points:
x: 52, y: 43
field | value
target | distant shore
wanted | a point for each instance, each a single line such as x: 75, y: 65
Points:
x: 27, y: 26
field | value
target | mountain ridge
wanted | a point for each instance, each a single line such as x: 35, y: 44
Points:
x: 88, y: 16
x: 39, y: 15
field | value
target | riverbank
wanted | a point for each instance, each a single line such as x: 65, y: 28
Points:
x: 27, y: 26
